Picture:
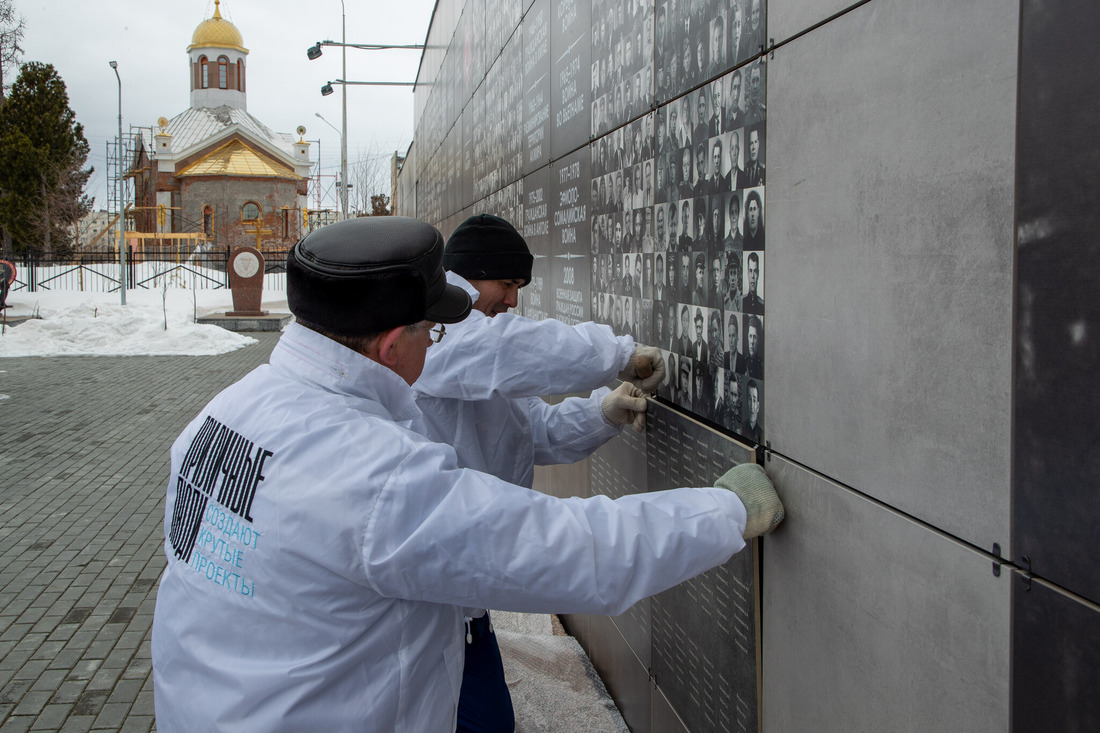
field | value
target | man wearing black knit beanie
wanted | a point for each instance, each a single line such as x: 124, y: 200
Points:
x: 480, y: 391
x: 487, y: 250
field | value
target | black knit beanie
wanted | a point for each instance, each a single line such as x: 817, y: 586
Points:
x: 486, y: 247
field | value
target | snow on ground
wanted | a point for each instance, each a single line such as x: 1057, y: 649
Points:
x: 73, y: 323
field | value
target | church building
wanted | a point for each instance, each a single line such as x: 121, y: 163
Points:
x: 214, y: 175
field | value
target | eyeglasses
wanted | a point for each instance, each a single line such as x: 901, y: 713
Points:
x: 435, y: 334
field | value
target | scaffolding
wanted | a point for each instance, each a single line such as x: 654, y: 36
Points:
x: 120, y: 166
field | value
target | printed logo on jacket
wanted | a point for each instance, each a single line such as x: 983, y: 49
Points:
x: 222, y: 465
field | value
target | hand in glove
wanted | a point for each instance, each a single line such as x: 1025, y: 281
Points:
x: 646, y: 369
x: 625, y: 405
x: 763, y: 509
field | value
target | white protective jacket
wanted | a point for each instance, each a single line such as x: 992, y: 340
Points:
x: 481, y: 385
x: 320, y: 553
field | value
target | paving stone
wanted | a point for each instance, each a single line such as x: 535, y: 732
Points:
x: 78, y: 724
x: 81, y: 546
x: 52, y: 717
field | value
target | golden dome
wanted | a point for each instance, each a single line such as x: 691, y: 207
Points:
x: 217, y: 32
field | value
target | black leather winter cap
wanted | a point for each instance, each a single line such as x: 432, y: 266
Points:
x: 486, y: 247
x: 361, y: 276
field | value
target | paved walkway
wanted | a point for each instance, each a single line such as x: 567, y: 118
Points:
x: 83, y: 464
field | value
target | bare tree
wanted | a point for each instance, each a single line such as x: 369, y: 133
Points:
x: 370, y: 178
x: 12, y: 25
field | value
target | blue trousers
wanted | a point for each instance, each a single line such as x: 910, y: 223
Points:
x: 484, y: 704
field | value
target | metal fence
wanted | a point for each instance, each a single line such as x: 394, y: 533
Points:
x: 149, y: 269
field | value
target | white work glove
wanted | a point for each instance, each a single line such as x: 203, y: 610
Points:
x: 646, y: 369
x: 763, y: 509
x: 625, y: 405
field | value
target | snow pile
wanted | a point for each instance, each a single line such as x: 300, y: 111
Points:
x: 70, y: 323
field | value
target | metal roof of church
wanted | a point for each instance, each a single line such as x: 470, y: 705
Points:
x: 193, y: 128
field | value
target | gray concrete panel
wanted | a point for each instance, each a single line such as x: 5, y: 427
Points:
x: 874, y: 622
x: 891, y: 156
x: 787, y: 18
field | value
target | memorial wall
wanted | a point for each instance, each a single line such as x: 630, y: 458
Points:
x: 907, y: 160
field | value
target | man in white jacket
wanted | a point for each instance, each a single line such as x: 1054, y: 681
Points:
x: 480, y: 392
x: 321, y: 550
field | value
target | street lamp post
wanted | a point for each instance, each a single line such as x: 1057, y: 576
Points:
x: 344, y: 118
x: 314, y: 52
x: 121, y: 195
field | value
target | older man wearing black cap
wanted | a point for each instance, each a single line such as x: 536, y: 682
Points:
x: 321, y: 550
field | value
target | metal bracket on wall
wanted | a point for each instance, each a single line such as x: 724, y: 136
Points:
x: 771, y: 48
x: 1025, y: 576
x: 997, y: 563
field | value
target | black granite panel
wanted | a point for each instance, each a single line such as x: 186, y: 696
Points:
x: 624, y: 675
x: 535, y: 299
x: 537, y: 113
x: 1057, y: 393
x: 704, y: 631
x: 510, y: 78
x: 569, y: 238
x: 571, y: 78
x: 620, y: 468
x: 1055, y: 660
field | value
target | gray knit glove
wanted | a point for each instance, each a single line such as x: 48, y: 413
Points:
x: 763, y: 509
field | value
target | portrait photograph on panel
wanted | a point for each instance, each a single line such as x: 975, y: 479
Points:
x: 699, y: 278
x: 752, y: 410
x: 667, y: 387
x: 753, y: 225
x: 716, y: 274
x: 682, y: 392
x: 753, y: 345
x: 752, y: 299
x: 731, y: 297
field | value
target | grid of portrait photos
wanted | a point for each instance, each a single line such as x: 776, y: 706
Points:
x: 697, y: 39
x: 622, y: 62
x: 678, y: 244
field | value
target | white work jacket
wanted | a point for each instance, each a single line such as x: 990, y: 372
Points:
x: 481, y: 385
x: 321, y: 551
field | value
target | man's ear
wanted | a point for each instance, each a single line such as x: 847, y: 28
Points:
x: 386, y: 347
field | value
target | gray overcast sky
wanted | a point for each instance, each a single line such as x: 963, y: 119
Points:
x: 149, y: 39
